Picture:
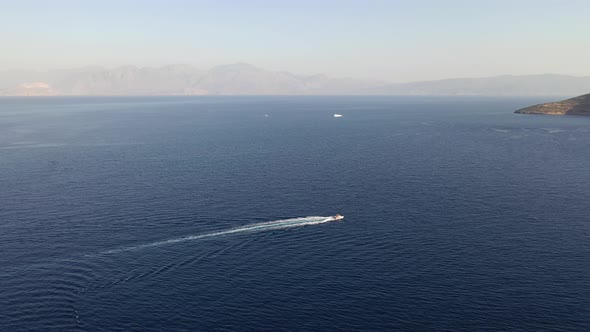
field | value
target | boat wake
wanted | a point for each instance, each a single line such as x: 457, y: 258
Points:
x: 63, y: 283
x: 252, y: 228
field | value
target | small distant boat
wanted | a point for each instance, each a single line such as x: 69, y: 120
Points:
x: 337, y: 217
x: 337, y: 115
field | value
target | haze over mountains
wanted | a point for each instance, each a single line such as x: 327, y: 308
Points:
x: 245, y: 79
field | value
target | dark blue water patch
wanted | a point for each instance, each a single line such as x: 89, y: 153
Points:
x: 460, y: 215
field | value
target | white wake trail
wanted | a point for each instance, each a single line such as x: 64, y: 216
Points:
x: 252, y: 228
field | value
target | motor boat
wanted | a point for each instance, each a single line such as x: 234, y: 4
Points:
x: 337, y: 115
x: 337, y: 217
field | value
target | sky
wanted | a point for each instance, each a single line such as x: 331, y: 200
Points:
x: 396, y: 41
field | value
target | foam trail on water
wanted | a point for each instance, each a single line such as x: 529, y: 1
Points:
x: 258, y: 227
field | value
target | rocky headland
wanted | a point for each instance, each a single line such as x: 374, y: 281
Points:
x: 575, y: 106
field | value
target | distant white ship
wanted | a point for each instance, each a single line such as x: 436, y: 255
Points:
x: 337, y: 115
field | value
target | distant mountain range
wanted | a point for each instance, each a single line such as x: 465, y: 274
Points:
x: 245, y: 79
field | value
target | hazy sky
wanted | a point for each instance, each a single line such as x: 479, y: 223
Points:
x: 391, y: 40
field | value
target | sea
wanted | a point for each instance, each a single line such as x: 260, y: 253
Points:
x: 213, y: 213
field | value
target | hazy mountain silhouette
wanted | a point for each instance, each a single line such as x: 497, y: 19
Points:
x: 245, y: 79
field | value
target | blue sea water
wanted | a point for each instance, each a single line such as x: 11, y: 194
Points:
x: 202, y: 213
